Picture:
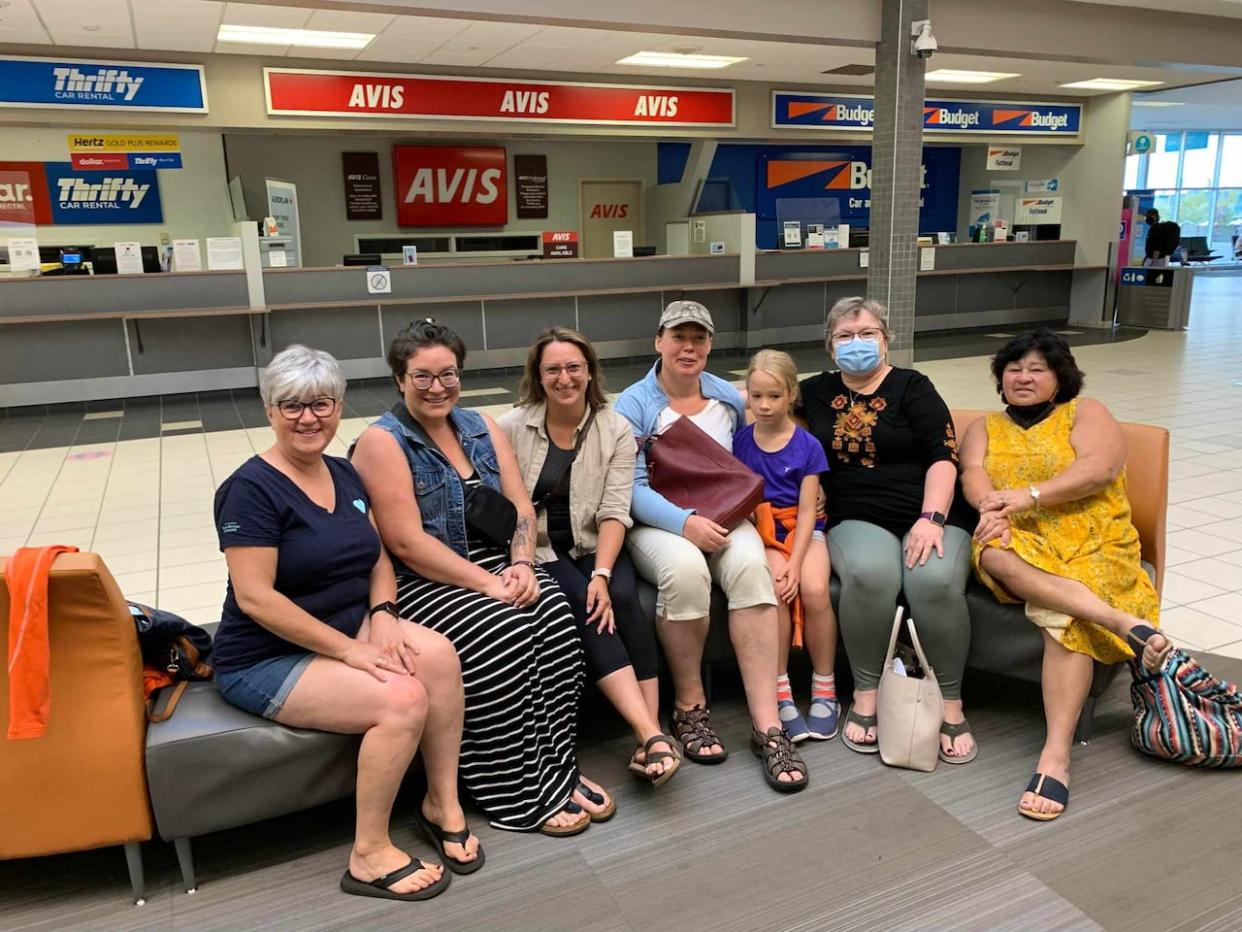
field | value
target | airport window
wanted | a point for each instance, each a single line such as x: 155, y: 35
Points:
x: 1197, y: 177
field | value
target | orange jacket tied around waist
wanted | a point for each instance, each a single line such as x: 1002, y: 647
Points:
x: 766, y: 518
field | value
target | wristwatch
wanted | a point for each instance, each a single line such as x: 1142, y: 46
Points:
x: 389, y: 607
x: 602, y: 571
x: 934, y: 517
x: 1035, y: 493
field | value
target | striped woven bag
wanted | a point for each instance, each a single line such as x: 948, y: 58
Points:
x: 1184, y: 714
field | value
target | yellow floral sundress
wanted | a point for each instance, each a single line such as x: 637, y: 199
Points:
x: 1091, y: 540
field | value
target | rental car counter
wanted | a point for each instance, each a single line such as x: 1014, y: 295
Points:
x: 73, y: 338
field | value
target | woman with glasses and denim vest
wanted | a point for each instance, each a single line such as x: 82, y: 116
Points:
x: 309, y: 635
x: 422, y: 463
x: 896, y: 519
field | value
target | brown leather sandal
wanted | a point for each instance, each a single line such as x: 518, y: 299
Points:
x: 779, y: 756
x: 639, y: 769
x: 693, y: 730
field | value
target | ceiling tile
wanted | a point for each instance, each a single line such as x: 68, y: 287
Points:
x: 277, y: 17
x: 177, y: 25
x: 20, y: 24
x: 102, y: 23
x: 346, y: 21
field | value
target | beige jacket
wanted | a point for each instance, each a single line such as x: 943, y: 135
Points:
x: 602, y: 480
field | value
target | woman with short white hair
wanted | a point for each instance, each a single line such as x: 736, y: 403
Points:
x: 310, y: 637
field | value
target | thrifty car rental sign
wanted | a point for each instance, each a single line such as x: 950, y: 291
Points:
x: 292, y: 92
x: 102, y: 85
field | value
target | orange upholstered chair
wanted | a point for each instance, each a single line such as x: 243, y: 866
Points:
x: 83, y: 784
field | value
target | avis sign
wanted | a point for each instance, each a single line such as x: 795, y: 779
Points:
x: 448, y: 186
x: 295, y: 92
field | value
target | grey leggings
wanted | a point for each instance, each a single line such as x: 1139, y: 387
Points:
x: 869, y: 562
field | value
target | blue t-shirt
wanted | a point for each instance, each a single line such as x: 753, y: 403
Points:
x: 784, y: 470
x: 324, y: 558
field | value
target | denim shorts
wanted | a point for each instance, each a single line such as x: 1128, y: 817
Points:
x: 263, y: 688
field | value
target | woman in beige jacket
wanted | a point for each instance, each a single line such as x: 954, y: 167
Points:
x: 577, y: 459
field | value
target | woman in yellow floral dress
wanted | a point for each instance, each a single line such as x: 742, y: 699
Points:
x: 1048, y: 479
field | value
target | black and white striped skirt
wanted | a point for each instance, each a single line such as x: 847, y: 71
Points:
x: 523, y: 674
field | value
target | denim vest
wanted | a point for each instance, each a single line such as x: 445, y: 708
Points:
x: 437, y: 486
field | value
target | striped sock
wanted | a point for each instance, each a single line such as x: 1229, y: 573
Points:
x: 783, y: 691
x: 823, y: 687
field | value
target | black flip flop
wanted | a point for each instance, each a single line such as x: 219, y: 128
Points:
x: 379, y: 887
x: 566, y: 831
x: 1137, y: 640
x: 598, y: 799
x: 438, y: 836
x: 1051, y: 789
x: 865, y: 722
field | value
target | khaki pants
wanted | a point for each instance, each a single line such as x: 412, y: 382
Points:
x: 684, y: 574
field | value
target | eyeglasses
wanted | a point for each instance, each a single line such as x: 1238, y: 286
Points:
x: 871, y: 335
x: 320, y: 407
x: 422, y: 380
x: 573, y: 370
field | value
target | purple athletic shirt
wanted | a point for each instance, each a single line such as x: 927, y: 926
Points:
x: 784, y: 470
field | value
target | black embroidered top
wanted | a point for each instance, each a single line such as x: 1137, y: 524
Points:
x: 880, y: 447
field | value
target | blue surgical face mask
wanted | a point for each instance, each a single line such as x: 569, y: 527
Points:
x: 858, y: 357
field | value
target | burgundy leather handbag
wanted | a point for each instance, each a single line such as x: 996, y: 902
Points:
x: 691, y: 470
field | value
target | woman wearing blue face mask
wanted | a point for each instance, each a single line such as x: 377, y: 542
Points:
x: 896, y: 519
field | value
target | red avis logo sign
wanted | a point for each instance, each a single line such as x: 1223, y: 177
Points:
x: 610, y: 211
x: 445, y: 186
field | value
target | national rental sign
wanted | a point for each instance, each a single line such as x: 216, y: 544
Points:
x: 102, y: 85
x: 990, y: 117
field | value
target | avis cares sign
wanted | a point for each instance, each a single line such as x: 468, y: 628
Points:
x: 450, y: 186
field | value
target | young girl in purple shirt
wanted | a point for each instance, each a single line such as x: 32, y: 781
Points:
x: 790, y: 460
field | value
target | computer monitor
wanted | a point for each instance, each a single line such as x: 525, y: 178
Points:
x: 103, y: 260
x: 363, y: 258
x: 1196, y: 246
x: 151, y: 259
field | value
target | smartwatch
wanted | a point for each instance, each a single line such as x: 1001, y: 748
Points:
x: 934, y: 517
x: 389, y: 607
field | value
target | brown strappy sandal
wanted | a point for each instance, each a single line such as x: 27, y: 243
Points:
x: 693, y: 730
x: 654, y: 757
x: 779, y: 756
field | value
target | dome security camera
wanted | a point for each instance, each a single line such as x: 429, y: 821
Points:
x: 923, y: 44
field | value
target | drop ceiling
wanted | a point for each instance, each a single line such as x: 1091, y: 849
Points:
x: 190, y: 26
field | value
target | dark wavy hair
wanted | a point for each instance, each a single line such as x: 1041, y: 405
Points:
x: 420, y: 334
x: 531, y: 390
x: 1056, y: 353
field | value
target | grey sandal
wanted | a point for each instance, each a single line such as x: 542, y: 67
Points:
x: 955, y: 731
x: 862, y: 721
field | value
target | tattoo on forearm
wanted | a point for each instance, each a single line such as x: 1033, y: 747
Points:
x: 523, y: 540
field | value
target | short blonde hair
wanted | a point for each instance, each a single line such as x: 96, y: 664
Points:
x: 777, y: 364
x: 849, y: 308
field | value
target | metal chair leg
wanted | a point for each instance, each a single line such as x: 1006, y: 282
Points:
x: 185, y: 860
x: 1082, y: 733
x: 137, y: 880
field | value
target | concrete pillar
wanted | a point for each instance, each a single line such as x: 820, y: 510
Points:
x: 896, y: 173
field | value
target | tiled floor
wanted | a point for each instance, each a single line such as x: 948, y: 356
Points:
x: 145, y: 503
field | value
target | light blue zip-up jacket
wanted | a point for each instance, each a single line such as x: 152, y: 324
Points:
x: 641, y: 405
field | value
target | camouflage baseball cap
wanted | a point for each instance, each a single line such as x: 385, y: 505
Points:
x: 687, y: 312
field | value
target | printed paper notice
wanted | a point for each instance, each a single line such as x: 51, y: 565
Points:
x: 843, y: 236
x: 379, y: 279
x: 187, y: 257
x: 622, y: 244
x: 24, y: 255
x: 717, y: 248
x: 927, y: 259
x: 864, y: 258
x: 277, y: 259
x: 409, y: 255
x: 224, y: 253
x: 128, y: 258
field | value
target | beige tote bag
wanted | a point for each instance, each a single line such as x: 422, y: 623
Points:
x: 909, y: 710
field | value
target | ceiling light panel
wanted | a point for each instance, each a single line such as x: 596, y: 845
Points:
x: 958, y: 76
x: 300, y: 38
x: 1157, y: 103
x: 677, y: 60
x: 1110, y: 84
